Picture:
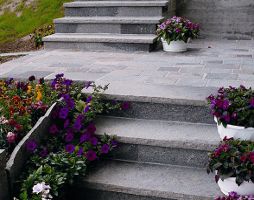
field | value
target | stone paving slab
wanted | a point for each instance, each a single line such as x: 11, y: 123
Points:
x: 207, y: 64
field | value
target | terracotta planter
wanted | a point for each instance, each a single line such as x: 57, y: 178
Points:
x: 236, y: 132
x: 229, y: 185
x: 174, y: 46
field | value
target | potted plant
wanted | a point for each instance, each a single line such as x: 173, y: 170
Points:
x: 176, y: 32
x: 233, y: 163
x: 233, y: 111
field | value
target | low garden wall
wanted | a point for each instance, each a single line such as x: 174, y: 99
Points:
x: 220, y: 18
x: 3, y: 178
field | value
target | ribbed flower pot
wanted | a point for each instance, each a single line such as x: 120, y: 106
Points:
x: 174, y: 46
x: 236, y: 132
x: 229, y: 185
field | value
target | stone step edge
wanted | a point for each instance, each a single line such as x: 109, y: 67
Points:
x: 108, y: 20
x: 178, y: 95
x: 167, y: 143
x: 109, y: 187
x: 101, y: 38
x: 80, y: 4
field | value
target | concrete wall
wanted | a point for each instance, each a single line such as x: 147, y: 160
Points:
x: 220, y: 18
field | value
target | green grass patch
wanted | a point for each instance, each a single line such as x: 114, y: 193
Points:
x: 42, y: 12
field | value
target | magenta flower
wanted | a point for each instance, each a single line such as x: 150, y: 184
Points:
x: 69, y: 137
x: 66, y: 123
x: 43, y: 153
x: 70, y: 148
x: 53, y: 129
x: 11, y: 137
x: 225, y: 104
x: 252, y: 102
x: 91, y: 155
x: 31, y: 145
x: 125, y: 106
x: 91, y: 128
x: 105, y: 149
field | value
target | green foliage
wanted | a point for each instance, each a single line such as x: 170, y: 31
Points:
x: 233, y: 158
x: 41, y: 32
x: 32, y: 17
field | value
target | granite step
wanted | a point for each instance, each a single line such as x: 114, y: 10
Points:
x: 163, y: 142
x: 120, y: 25
x: 114, y: 180
x: 116, y: 8
x: 100, y: 42
x: 169, y: 102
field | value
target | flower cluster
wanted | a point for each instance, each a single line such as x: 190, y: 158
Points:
x: 71, y: 143
x: 177, y: 28
x: 233, y: 158
x: 22, y: 103
x: 235, y: 196
x: 233, y: 106
x: 43, y: 190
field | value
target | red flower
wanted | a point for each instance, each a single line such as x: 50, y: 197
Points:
x: 252, y: 157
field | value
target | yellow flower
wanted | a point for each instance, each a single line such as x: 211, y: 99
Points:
x: 39, y: 96
x: 29, y: 89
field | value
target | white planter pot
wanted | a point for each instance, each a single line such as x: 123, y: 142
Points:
x: 236, y: 132
x: 174, y: 46
x: 229, y: 185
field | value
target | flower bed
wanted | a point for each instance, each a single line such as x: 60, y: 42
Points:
x: 235, y: 196
x: 61, y: 145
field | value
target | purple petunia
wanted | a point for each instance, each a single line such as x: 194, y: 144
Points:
x: 125, y: 106
x: 66, y: 123
x: 89, y: 99
x: 87, y: 108
x: 91, y: 155
x: 31, y: 145
x: 88, y: 84
x: 105, y: 149
x: 63, y: 113
x: 94, y: 141
x: 80, y: 152
x: 70, y: 148
x: 85, y: 137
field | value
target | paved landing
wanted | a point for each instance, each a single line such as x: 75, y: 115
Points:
x: 207, y: 64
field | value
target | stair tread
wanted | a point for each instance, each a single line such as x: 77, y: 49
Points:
x: 107, y: 38
x: 116, y: 3
x: 160, y: 133
x: 172, y: 182
x: 122, y: 20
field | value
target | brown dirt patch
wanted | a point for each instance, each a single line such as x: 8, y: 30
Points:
x: 7, y: 58
x: 19, y: 45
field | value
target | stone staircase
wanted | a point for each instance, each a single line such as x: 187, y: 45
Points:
x: 162, y: 154
x: 109, y: 25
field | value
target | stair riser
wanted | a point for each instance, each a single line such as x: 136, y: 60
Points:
x: 113, y: 11
x: 169, y: 112
x: 161, y: 155
x: 91, y: 194
x: 106, y: 28
x: 83, y: 46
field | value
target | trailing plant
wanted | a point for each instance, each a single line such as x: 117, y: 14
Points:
x: 233, y: 158
x: 235, y: 196
x: 177, y: 28
x: 41, y: 32
x: 234, y: 106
